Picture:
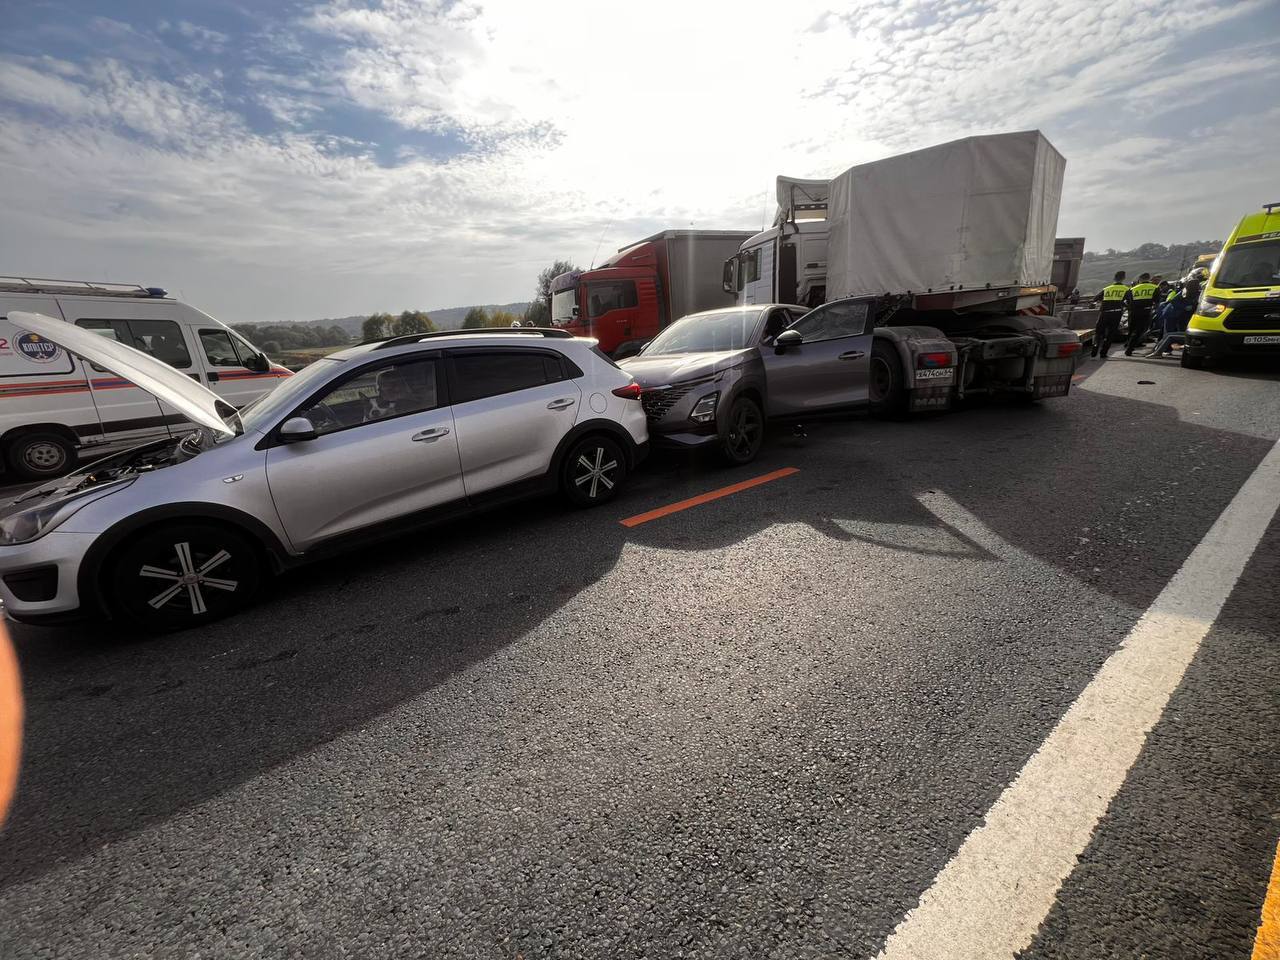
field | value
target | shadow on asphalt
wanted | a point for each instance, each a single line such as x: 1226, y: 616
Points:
x: 125, y: 732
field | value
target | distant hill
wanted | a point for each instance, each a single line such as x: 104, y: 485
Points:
x: 448, y: 318
x: 1155, y: 258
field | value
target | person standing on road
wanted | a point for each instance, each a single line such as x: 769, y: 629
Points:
x: 1142, y: 294
x: 1114, y: 297
x: 1177, y: 313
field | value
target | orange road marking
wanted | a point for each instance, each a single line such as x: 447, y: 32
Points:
x: 702, y: 498
x: 1267, y: 944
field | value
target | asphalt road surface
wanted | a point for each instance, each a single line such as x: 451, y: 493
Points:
x: 759, y: 727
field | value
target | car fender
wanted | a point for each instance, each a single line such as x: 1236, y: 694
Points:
x: 594, y: 425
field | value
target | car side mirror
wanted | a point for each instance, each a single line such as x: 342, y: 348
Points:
x: 787, y: 340
x: 297, y: 429
x: 258, y: 363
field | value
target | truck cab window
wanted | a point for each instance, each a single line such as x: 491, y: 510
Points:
x: 614, y: 295
x: 750, y: 267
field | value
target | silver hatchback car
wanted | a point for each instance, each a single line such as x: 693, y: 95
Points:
x: 359, y: 445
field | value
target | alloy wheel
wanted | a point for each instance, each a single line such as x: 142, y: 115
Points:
x: 185, y: 588
x: 595, y: 467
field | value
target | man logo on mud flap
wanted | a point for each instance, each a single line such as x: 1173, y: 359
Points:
x: 37, y: 348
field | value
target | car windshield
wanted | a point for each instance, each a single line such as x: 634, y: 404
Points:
x: 706, y: 333
x: 1250, y: 265
x: 291, y: 390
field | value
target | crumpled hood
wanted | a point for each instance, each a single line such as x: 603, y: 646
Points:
x: 197, y: 403
x: 679, y: 367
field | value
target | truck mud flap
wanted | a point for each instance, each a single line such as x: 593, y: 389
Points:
x: 1053, y: 385
x: 929, y: 398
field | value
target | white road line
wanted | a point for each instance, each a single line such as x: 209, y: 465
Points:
x: 994, y: 893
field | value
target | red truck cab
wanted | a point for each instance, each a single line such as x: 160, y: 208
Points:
x: 625, y: 301
x: 616, y: 302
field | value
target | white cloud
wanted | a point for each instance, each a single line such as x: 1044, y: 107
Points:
x: 588, y: 115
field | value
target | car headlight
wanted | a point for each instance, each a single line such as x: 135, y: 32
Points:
x: 35, y: 521
x: 705, y: 409
x: 1210, y: 308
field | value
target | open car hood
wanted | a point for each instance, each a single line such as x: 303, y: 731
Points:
x: 197, y: 403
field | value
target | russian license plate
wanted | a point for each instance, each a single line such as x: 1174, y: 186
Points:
x: 1252, y: 340
x: 935, y: 373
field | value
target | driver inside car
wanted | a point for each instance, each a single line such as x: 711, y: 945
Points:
x: 398, y: 393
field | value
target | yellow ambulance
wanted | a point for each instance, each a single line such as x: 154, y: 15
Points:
x: 1239, y: 310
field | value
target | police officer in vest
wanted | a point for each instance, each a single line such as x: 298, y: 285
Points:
x: 1114, y: 297
x: 1142, y: 294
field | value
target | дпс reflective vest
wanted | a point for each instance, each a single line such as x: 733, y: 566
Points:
x: 1144, y: 292
x: 1112, y: 295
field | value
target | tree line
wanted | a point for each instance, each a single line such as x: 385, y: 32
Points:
x: 1156, y: 251
x: 378, y: 326
x: 275, y: 338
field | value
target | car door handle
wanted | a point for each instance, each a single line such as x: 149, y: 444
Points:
x: 852, y: 355
x: 213, y: 376
x: 561, y: 403
x: 435, y: 433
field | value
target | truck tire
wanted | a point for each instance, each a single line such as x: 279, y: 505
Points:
x: 743, y: 432
x: 40, y: 455
x: 1190, y: 362
x: 887, y: 389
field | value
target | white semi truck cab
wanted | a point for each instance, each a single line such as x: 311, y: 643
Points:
x: 786, y: 263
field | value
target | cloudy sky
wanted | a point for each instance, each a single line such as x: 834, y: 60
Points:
x: 326, y: 159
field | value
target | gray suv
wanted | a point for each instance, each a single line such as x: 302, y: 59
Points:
x: 713, y: 379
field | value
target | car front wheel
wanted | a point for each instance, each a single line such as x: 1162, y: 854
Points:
x: 743, y: 432
x: 183, y: 574
x: 593, y: 471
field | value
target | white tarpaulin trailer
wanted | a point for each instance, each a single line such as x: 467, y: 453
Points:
x: 970, y: 213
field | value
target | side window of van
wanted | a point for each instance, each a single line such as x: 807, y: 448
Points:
x: 218, y: 348
x: 161, y: 338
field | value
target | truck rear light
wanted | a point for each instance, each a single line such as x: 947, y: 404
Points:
x: 1067, y: 349
x: 940, y: 359
x: 631, y: 391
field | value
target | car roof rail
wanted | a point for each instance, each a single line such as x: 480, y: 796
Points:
x: 553, y: 332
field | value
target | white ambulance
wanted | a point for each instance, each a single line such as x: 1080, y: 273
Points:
x: 54, y: 405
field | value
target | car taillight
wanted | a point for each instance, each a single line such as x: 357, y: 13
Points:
x: 630, y: 392
x: 941, y: 359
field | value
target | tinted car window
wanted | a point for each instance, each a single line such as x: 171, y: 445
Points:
x: 379, y: 394
x: 835, y: 320
x: 161, y: 338
x: 480, y: 375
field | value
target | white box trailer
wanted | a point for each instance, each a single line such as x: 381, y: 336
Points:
x: 954, y: 246
x: 976, y: 213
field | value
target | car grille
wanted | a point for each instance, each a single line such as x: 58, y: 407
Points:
x: 1255, y: 315
x: 658, y: 402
